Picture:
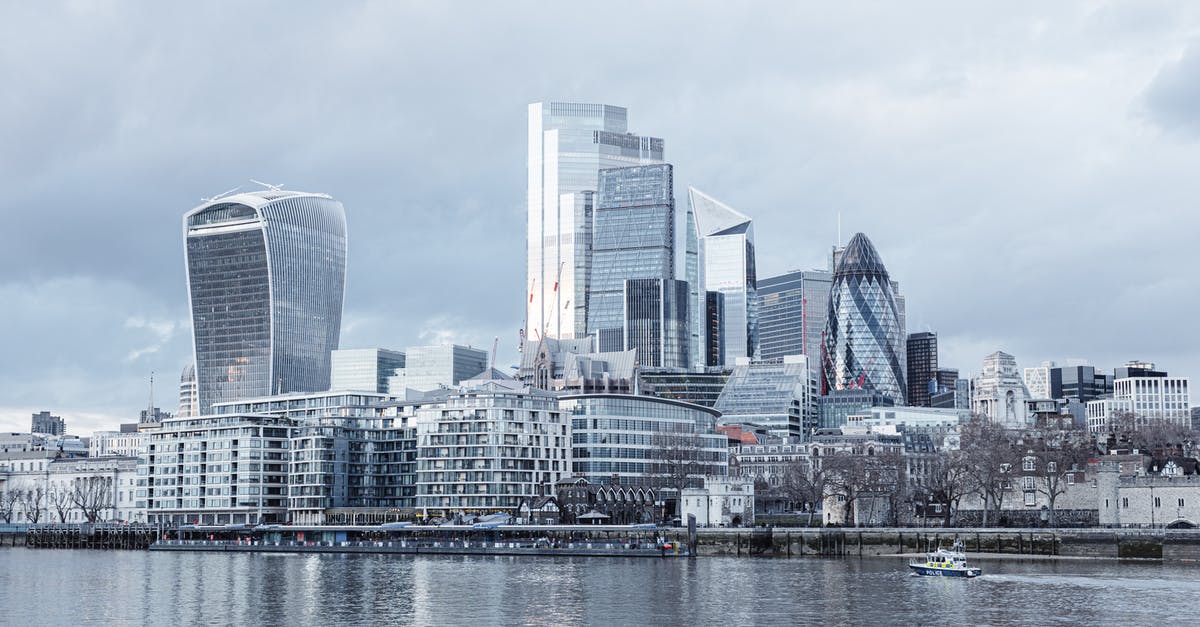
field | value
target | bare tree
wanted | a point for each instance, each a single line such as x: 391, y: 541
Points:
x: 8, y: 504
x: 32, y: 499
x: 60, y: 501
x: 990, y: 454
x: 805, y: 482
x: 1154, y: 436
x: 845, y: 475
x: 677, y: 459
x: 93, y: 496
x: 950, y: 478
x: 1064, y: 454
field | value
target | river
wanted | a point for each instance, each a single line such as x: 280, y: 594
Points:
x: 59, y: 587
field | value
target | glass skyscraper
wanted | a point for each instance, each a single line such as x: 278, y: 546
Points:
x: 656, y: 322
x: 726, y: 265
x: 266, y: 275
x: 569, y: 143
x: 864, y: 339
x: 365, y: 369
x: 633, y: 237
x: 791, y: 314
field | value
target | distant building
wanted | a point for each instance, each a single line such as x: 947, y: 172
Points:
x: 779, y: 395
x: 571, y: 366
x: 922, y: 349
x: 71, y: 489
x: 46, y: 424
x: 864, y: 343
x: 727, y: 266
x: 266, y: 273
x: 720, y: 502
x: 189, y: 401
x: 999, y: 392
x: 700, y: 388
x: 656, y: 323
x: 116, y: 443
x: 835, y: 408
x: 946, y: 393
x: 1081, y: 383
x: 428, y: 368
x: 364, y: 369
x: 633, y: 238
x: 1037, y: 380
x: 714, y: 330
x: 791, y: 314
x: 1149, y: 398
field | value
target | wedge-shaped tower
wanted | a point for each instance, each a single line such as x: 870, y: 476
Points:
x: 726, y: 265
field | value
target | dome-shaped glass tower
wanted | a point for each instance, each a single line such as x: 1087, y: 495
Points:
x: 863, y: 344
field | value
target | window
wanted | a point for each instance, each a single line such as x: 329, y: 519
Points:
x: 1125, y: 502
x: 1027, y: 483
x: 1181, y: 502
x: 1051, y: 468
x: 1029, y: 463
x: 1031, y: 498
x: 1157, y: 502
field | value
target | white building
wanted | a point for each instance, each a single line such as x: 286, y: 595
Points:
x: 116, y: 443
x: 488, y: 447
x: 189, y: 402
x: 1037, y: 380
x: 913, y: 418
x: 1146, y: 398
x: 50, y: 489
x: 722, y: 502
x: 999, y: 393
x: 366, y: 369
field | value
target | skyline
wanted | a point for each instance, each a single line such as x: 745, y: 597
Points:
x: 1025, y: 177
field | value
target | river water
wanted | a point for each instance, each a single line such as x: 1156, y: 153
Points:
x: 59, y: 587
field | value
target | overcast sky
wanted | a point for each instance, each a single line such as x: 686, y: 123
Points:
x: 1028, y: 171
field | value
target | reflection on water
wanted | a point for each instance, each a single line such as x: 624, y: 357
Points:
x: 47, y: 587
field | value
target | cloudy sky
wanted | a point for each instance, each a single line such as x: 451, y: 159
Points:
x: 1028, y: 171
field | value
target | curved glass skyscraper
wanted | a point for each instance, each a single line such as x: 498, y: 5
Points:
x: 266, y: 275
x: 863, y: 347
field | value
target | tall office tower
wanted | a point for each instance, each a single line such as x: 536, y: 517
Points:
x: 188, y: 401
x: 46, y: 424
x: 864, y: 342
x: 656, y: 322
x: 714, y: 329
x: 726, y: 265
x: 791, y: 314
x: 266, y: 274
x: 569, y: 143
x: 633, y: 237
x: 364, y: 369
x: 945, y: 394
x: 922, y: 368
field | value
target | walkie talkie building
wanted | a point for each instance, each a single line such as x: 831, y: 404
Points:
x: 266, y: 275
x: 864, y: 339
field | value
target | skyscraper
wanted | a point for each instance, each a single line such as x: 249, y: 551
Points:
x: 656, y: 322
x: 726, y: 265
x: 266, y: 275
x: 864, y: 339
x: 922, y: 371
x: 791, y: 314
x: 569, y: 143
x: 633, y: 237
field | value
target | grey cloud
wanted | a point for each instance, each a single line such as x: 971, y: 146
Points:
x: 1173, y: 97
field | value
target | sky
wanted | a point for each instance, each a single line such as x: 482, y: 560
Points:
x: 1026, y: 170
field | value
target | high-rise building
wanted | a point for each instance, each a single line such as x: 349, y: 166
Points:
x: 999, y: 392
x: 365, y: 369
x: 1149, y: 395
x: 569, y: 143
x: 1081, y: 383
x: 266, y: 274
x: 633, y: 237
x: 188, y: 401
x: 945, y: 394
x: 864, y: 337
x: 922, y: 349
x: 1037, y: 380
x: 791, y: 314
x: 656, y: 322
x: 46, y: 424
x: 428, y: 368
x: 726, y: 265
x: 713, y: 330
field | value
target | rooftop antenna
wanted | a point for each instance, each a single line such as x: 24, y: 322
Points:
x: 274, y: 188
x: 221, y: 195
x: 150, y: 406
x: 495, y: 345
x: 839, y: 229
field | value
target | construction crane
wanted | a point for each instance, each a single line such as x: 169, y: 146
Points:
x: 495, y: 345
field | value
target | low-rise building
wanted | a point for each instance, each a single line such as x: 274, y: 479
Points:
x: 39, y: 488
x: 720, y: 502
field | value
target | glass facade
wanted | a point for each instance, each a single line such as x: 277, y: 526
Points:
x: 431, y: 367
x: 569, y: 143
x: 656, y: 322
x: 266, y: 276
x: 864, y: 343
x: 633, y: 237
x: 633, y: 439
x: 922, y: 372
x: 726, y: 245
x: 791, y: 314
x: 366, y: 369
x: 778, y: 394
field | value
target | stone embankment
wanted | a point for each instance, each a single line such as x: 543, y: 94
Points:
x: 1167, y: 545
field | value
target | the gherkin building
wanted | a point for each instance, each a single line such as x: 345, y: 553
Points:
x: 863, y: 344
